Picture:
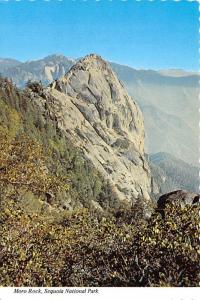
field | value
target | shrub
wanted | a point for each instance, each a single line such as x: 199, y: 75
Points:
x: 80, y: 250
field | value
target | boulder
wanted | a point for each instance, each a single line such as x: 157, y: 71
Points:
x: 181, y: 197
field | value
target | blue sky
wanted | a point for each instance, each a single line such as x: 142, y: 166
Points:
x: 150, y: 35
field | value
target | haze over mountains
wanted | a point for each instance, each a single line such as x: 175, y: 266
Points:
x: 167, y: 98
x: 170, y: 108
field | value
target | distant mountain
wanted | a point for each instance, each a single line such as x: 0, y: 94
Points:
x: 168, y: 99
x: 170, y: 173
x: 177, y: 73
x: 6, y: 63
x: 45, y: 70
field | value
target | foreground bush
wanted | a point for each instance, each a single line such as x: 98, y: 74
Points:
x: 79, y: 249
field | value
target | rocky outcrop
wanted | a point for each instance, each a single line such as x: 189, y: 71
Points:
x: 94, y: 110
x: 181, y: 197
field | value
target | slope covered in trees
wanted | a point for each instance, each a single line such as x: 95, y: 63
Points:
x: 170, y: 173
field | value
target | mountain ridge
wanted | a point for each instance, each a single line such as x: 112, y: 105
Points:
x: 165, y: 73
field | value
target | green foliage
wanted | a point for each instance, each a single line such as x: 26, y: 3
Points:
x: 82, y: 250
x: 6, y: 114
x: 22, y: 164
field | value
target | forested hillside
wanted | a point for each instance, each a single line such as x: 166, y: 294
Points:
x: 170, y: 173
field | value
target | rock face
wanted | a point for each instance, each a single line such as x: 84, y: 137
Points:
x: 93, y: 109
x: 182, y: 196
